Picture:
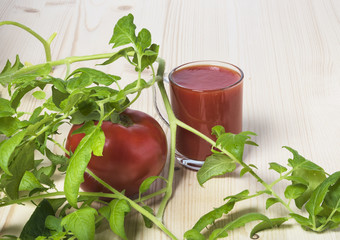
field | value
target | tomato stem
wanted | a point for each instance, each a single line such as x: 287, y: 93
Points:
x: 136, y: 206
x: 151, y: 195
x: 173, y: 128
x: 57, y: 193
x: 45, y: 43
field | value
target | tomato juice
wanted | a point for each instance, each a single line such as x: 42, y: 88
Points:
x: 203, y: 95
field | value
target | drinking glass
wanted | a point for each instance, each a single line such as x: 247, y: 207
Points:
x: 204, y: 94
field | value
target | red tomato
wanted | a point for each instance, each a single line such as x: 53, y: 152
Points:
x: 131, y: 154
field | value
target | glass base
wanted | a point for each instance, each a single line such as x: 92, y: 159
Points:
x: 189, y: 163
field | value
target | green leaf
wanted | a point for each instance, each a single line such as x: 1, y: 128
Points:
x: 295, y: 190
x: 124, y: 32
x: 218, y: 233
x: 134, y: 84
x: 98, y: 144
x: 29, y: 182
x: 57, y: 159
x: 35, y: 226
x: 73, y: 99
x: 59, y: 84
x: 81, y: 223
x: 32, y: 129
x: 244, y: 171
x: 47, y: 170
x: 312, y: 173
x: 240, y: 222
x: 50, y: 105
x: 253, y: 166
x: 79, y: 118
x: 58, y: 96
x: 44, y: 179
x: 23, y: 160
x: 193, y: 234
x: 300, y: 162
x: 56, y: 203
x: 105, y: 212
x: 149, y: 56
x: 6, y: 109
x: 336, y: 218
x: 147, y: 183
x: 252, y: 143
x: 215, y: 165
x: 264, y: 225
x: 212, y: 216
x: 118, y: 207
x: 28, y: 82
x: 148, y: 223
x: 79, y: 160
x: 18, y: 95
x: 95, y: 76
x: 271, y: 201
x: 39, y: 95
x: 301, y: 220
x: 53, y: 223
x: 277, y: 167
x: 217, y: 130
x: 332, y: 199
x: 313, y: 206
x: 239, y: 197
x: 36, y: 76
x: 9, y: 70
x: 35, y: 117
x: 234, y: 144
x: 143, y: 39
x: 10, y: 125
x: 75, y: 83
x: 296, y: 179
x: 7, y: 147
x: 125, y: 52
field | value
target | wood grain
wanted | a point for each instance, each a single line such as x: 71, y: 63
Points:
x: 290, y: 54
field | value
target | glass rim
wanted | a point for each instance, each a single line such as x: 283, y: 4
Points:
x: 209, y: 63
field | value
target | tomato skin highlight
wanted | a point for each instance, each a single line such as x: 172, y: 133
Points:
x: 130, y: 155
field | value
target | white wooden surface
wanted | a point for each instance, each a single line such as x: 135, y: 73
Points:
x: 289, y: 51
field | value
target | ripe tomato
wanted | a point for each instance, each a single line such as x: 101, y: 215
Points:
x: 131, y: 153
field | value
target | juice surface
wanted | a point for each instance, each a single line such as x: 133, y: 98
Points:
x: 205, y: 96
x: 205, y: 77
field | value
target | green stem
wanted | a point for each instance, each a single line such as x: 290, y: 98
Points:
x: 74, y: 59
x: 281, y: 178
x: 55, y: 194
x: 47, y: 127
x: 67, y: 61
x: 139, y: 57
x: 136, y: 206
x: 133, y: 100
x: 198, y: 133
x: 60, y: 146
x: 168, y: 193
x: 258, y: 178
x: 45, y: 43
x: 323, y: 226
x: 151, y: 195
x: 173, y: 128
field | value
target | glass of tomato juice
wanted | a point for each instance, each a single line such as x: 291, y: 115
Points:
x: 204, y: 94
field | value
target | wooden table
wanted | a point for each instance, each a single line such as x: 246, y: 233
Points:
x: 289, y: 51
